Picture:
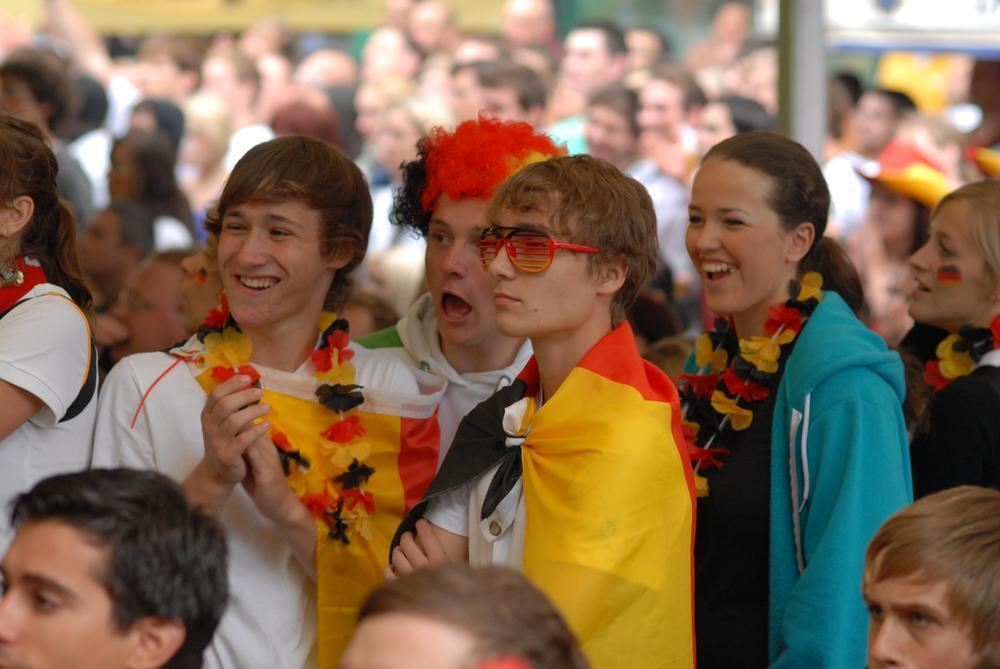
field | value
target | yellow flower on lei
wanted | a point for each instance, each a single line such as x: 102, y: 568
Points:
x: 229, y: 348
x: 954, y: 363
x: 704, y: 355
x: 811, y: 287
x: 764, y: 352
x: 700, y: 485
x: 343, y: 373
x: 739, y: 417
x: 344, y: 454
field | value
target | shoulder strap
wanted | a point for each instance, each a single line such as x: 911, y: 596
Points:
x: 89, y: 386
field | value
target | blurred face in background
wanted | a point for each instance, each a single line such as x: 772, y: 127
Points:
x: 610, y: 137
x: 714, y: 125
x: 588, y: 64
x: 396, y: 140
x: 122, y: 179
x: 874, y: 123
x: 152, y: 309
x: 661, y: 108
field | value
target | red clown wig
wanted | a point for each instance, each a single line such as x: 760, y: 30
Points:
x: 470, y: 162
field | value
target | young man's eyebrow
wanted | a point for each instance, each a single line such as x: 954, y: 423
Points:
x: 533, y: 227
x: 42, y: 581
x: 278, y: 218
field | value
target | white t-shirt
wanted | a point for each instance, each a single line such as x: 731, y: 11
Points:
x: 670, y: 203
x: 45, y: 349
x: 849, y: 192
x: 270, y: 622
x: 169, y: 234
x: 497, y: 539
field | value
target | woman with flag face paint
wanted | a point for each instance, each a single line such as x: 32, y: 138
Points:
x: 957, y: 289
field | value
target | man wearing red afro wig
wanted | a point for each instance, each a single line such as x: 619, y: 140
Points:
x: 450, y: 330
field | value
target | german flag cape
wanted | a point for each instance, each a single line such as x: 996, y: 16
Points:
x: 363, y: 480
x: 609, y: 501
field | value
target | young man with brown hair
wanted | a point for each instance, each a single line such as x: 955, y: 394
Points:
x: 461, y: 616
x: 576, y: 473
x: 932, y: 584
x: 308, y: 472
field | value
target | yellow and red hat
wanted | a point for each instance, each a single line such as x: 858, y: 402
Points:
x: 987, y: 160
x: 905, y: 170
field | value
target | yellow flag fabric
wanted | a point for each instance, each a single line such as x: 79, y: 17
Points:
x: 609, y: 498
x: 400, y: 442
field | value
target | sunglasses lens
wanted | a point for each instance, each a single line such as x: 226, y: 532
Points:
x: 530, y: 251
x: 489, y: 246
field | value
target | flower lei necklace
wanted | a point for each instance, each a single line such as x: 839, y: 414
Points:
x: 734, y: 375
x: 958, y: 354
x: 17, y: 281
x: 340, y: 501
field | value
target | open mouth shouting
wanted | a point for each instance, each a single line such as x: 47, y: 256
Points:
x: 453, y: 307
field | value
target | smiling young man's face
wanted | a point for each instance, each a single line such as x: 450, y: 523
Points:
x: 271, y: 263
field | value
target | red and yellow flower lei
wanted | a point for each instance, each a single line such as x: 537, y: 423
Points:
x: 326, y: 470
x: 958, y: 354
x: 736, y: 374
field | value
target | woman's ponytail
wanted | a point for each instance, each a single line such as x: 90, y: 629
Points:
x: 828, y: 258
x: 65, y: 271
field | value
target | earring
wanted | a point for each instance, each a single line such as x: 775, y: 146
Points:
x: 10, y: 275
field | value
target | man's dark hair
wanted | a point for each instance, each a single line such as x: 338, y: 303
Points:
x: 136, y: 224
x: 623, y: 101
x: 93, y: 109
x: 531, y: 90
x: 679, y: 76
x: 614, y: 38
x: 901, y: 102
x: 666, y: 46
x: 746, y: 114
x: 48, y: 81
x: 165, y: 559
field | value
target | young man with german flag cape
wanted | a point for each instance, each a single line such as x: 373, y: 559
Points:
x: 309, y: 450
x: 576, y: 473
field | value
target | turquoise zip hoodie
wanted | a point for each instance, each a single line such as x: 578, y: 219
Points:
x: 840, y: 465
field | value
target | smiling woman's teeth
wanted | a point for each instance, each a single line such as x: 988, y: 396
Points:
x: 256, y: 283
x: 716, y: 269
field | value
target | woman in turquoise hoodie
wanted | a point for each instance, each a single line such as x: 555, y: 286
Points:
x: 794, y: 409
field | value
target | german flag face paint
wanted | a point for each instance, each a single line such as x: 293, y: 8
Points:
x: 949, y: 275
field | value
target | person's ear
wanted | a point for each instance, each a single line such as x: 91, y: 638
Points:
x: 799, y: 241
x: 156, y: 640
x: 340, y: 255
x: 15, y: 215
x: 611, y: 278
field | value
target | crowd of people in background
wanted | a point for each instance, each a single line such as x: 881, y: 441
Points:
x: 366, y: 309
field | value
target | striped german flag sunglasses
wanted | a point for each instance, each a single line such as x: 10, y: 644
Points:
x: 528, y: 250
